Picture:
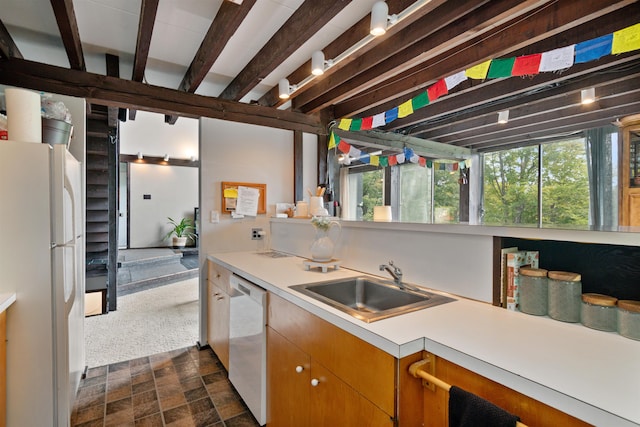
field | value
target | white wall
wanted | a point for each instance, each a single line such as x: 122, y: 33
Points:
x: 174, y: 193
x: 173, y: 189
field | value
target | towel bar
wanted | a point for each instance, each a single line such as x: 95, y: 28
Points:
x: 416, y: 369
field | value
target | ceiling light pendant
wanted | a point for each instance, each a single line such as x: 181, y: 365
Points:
x: 588, y: 95
x: 379, y: 16
x: 284, y: 89
x: 317, y: 63
x: 503, y: 116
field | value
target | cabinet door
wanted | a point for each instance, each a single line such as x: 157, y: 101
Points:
x: 334, y: 403
x: 288, y: 380
x: 218, y: 323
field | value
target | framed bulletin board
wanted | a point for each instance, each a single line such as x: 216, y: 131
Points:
x: 230, y: 197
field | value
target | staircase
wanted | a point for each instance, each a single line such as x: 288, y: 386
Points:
x: 142, y: 269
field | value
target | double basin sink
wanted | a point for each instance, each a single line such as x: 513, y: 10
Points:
x: 370, y: 299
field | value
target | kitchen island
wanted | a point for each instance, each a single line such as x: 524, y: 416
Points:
x: 589, y: 374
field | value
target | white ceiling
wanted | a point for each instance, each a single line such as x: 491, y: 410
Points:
x: 111, y: 26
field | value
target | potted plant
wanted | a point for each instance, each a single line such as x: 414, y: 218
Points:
x: 182, y: 231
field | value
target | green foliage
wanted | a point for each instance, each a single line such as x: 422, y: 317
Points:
x: 511, y: 185
x: 181, y: 229
x: 371, y: 192
x: 446, y: 196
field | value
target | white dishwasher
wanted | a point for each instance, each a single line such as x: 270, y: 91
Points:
x: 248, y: 345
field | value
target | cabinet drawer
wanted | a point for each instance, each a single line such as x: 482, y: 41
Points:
x: 361, y: 365
x: 219, y: 276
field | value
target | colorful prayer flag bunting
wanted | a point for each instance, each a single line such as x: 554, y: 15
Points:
x: 527, y: 65
x: 344, y: 147
x: 367, y: 123
x: 557, y: 59
x: 436, y: 90
x: 593, y: 49
x: 455, y: 80
x: 405, y: 109
x: 378, y: 120
x: 626, y: 40
x: 501, y: 68
x: 420, y: 100
x: 356, y: 124
x: 391, y: 115
x: 344, y: 124
x: 478, y: 72
x: 332, y: 141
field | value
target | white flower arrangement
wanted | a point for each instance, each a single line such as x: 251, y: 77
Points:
x: 321, y: 222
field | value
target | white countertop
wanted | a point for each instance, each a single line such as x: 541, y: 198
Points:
x: 589, y: 374
x: 6, y: 299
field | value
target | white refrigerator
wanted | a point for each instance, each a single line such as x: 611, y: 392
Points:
x: 42, y: 261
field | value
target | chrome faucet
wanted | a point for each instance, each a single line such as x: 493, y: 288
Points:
x: 395, y: 272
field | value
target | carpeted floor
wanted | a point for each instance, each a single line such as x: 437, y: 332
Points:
x: 148, y: 322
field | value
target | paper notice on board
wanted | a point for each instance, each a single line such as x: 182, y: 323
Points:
x: 247, y: 203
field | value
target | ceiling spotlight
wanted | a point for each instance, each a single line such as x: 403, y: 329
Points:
x: 503, y: 116
x: 588, y: 95
x: 317, y: 63
x: 166, y: 158
x: 140, y: 156
x: 379, y: 17
x: 284, y: 89
x: 193, y: 158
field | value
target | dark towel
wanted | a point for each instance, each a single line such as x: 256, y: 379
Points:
x: 468, y: 410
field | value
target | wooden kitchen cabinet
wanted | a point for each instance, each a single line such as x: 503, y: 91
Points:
x: 356, y: 382
x: 302, y: 392
x: 530, y: 411
x: 629, y: 210
x: 218, y: 311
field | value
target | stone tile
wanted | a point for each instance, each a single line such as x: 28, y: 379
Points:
x: 173, y: 400
x: 92, y: 391
x: 142, y: 387
x: 119, y: 392
x: 231, y: 409
x: 93, y: 423
x: 115, y: 367
x: 141, y: 370
x: 195, y: 394
x: 187, y: 370
x: 214, y: 377
x: 243, y: 420
x: 154, y: 420
x: 97, y: 372
x: 191, y: 383
x: 177, y: 414
x: 118, y: 406
x: 143, y: 410
x: 89, y: 414
x: 204, y: 413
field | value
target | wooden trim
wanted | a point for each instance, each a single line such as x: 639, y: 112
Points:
x: 148, y: 11
x: 68, y: 26
x: 156, y: 160
x: 298, y: 167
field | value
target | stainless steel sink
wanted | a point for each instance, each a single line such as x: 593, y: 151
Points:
x: 370, y: 299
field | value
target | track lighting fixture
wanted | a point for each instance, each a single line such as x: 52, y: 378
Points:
x: 588, y: 95
x: 284, y: 89
x: 503, y: 116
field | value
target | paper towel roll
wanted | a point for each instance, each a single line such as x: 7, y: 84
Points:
x: 24, y: 122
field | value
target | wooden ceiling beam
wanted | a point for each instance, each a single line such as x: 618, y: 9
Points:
x: 307, y: 20
x: 224, y: 25
x: 349, y: 38
x: 571, y: 119
x: 113, y: 70
x: 534, y: 112
x: 472, y: 93
x: 545, y: 22
x: 441, y: 30
x: 8, y: 47
x: 148, y: 11
x: 66, y: 18
x: 129, y: 94
x: 497, y: 95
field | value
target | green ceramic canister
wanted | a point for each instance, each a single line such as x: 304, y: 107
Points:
x: 533, y: 291
x: 565, y: 292
x: 599, y: 312
x: 629, y: 319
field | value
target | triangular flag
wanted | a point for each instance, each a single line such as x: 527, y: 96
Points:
x: 393, y: 160
x: 420, y: 100
x: 354, y: 152
x: 365, y: 158
x: 391, y: 115
x: 344, y: 124
x: 527, y: 65
x: 422, y: 162
x: 593, y: 49
x: 455, y: 80
x: 436, y: 90
x: 479, y: 71
x: 374, y: 160
x: 344, y: 147
x: 414, y: 159
x: 408, y: 152
x: 384, y: 162
x: 429, y: 164
x: 455, y: 167
x: 356, y: 124
x: 501, y: 68
x: 557, y: 59
x: 378, y: 120
x: 405, y: 109
x: 400, y: 158
x: 367, y: 123
x: 626, y: 40
x: 332, y: 141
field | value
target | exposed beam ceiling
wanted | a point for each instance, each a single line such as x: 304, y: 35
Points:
x: 227, y: 52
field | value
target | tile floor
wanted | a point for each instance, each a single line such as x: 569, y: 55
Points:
x: 182, y: 388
